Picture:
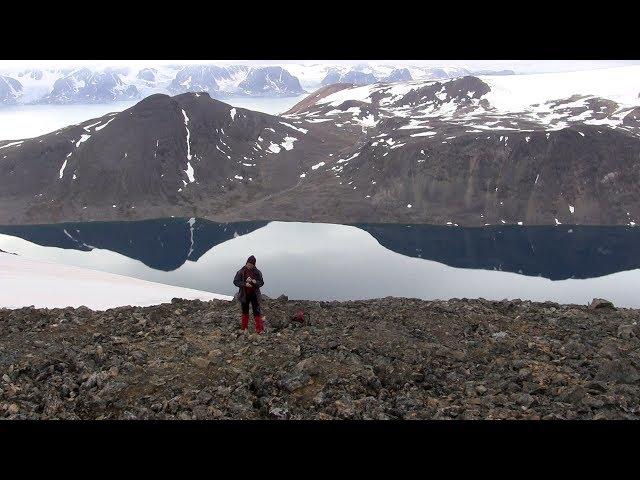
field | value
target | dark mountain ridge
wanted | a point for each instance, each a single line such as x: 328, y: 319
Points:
x: 410, y: 152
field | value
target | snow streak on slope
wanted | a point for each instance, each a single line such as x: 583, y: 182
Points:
x: 189, y: 170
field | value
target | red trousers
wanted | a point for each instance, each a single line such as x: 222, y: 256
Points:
x: 258, y: 319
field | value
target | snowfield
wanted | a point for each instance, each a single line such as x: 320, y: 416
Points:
x: 549, y: 101
x: 47, y: 285
x: 514, y: 92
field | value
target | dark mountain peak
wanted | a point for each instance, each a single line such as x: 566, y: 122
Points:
x: 460, y: 90
x: 198, y: 100
x: 467, y: 85
x: 161, y: 156
x: 157, y: 99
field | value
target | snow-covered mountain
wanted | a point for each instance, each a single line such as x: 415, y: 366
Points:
x: 10, y: 90
x: 519, y: 149
x: 542, y: 101
x: 398, y: 75
x: 87, y: 85
x: 352, y: 76
x: 531, y: 149
x: 366, y: 74
x: 221, y: 82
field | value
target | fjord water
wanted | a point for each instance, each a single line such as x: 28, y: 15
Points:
x: 28, y: 121
x: 567, y: 264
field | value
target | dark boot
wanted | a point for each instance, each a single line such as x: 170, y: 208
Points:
x: 245, y: 321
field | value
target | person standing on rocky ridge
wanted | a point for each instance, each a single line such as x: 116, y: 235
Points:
x: 249, y: 280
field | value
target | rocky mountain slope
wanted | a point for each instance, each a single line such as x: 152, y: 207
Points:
x: 458, y: 152
x: 380, y: 359
x: 531, y: 150
x: 164, y: 156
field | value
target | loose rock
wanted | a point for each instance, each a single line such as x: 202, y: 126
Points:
x: 389, y: 358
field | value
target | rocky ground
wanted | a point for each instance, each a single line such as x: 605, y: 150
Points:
x: 384, y: 359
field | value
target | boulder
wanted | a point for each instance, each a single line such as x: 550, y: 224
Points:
x: 598, y: 303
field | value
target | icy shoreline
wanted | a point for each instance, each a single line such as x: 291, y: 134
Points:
x: 28, y: 282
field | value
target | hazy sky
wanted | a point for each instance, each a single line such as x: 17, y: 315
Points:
x: 519, y: 66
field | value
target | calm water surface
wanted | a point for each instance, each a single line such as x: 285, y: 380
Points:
x: 339, y: 262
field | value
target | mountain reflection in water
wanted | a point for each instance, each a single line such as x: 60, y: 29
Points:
x: 554, y: 252
x: 163, y: 244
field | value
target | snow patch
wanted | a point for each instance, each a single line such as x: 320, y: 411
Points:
x: 287, y: 143
x: 186, y: 125
x: 424, y: 134
x: 102, y: 126
x: 302, y: 130
x: 189, y: 172
x: 11, y: 144
x: 63, y: 167
x: 83, y: 138
x: 274, y: 148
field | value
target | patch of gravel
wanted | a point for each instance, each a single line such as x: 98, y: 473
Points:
x: 388, y: 358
